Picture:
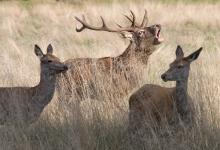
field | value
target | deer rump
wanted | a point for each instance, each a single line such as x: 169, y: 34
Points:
x: 96, y: 78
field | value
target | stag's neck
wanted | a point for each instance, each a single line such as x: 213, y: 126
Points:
x: 44, y: 91
x: 133, y: 53
x: 182, y: 97
x: 128, y: 55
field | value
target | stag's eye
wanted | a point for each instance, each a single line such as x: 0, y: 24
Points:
x: 49, y: 61
x: 141, y: 33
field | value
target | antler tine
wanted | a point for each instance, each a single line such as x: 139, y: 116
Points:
x: 82, y: 22
x: 145, y: 19
x: 104, y: 26
x: 134, y: 19
x: 103, y: 22
x: 128, y: 18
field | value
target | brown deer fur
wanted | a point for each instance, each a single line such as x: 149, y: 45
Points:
x: 120, y: 72
x: 25, y: 104
x: 156, y: 104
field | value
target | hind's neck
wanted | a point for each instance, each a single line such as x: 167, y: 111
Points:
x: 45, y: 90
x: 181, y: 97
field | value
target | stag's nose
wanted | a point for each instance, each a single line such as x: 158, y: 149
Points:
x: 163, y: 77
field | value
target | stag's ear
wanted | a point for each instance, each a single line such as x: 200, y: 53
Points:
x: 38, y: 51
x: 194, y: 55
x: 127, y: 35
x: 179, y: 52
x: 49, y: 49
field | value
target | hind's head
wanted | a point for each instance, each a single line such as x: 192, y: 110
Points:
x: 179, y: 68
x: 49, y: 62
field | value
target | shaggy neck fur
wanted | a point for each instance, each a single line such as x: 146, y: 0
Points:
x: 135, y: 53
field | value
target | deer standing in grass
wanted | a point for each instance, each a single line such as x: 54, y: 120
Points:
x: 25, y: 104
x: 153, y: 103
x: 118, y: 71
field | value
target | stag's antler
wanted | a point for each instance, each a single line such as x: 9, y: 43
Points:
x: 145, y: 19
x: 104, y: 27
x: 133, y: 20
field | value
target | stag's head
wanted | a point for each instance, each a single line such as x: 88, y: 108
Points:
x: 179, y: 68
x: 50, y: 64
x: 141, y: 35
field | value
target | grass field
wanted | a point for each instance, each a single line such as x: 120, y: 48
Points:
x: 103, y: 125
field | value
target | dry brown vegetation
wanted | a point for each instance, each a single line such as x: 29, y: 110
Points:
x: 102, y: 125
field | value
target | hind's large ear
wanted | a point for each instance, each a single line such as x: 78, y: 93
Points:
x: 38, y: 51
x: 50, y: 49
x: 179, y: 52
x: 194, y: 55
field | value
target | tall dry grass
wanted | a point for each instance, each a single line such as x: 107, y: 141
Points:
x: 102, y: 124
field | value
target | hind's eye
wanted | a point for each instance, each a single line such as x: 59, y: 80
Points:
x: 49, y: 61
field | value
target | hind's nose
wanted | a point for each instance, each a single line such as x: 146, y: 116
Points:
x: 163, y: 77
x: 65, y: 67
